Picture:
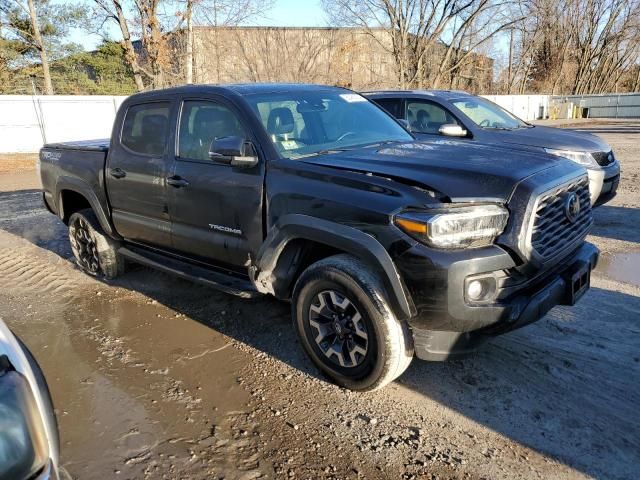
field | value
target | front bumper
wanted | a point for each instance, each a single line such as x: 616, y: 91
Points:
x: 447, y: 324
x: 603, y: 183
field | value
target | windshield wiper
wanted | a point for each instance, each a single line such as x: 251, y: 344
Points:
x: 320, y: 152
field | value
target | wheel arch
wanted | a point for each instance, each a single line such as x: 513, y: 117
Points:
x: 296, y: 241
x: 75, y: 195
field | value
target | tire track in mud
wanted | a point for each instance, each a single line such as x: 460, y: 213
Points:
x: 24, y: 269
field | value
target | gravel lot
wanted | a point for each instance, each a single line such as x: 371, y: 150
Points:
x: 154, y: 377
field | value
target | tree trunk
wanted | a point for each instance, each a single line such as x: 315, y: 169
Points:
x: 510, y: 69
x: 129, y: 51
x: 189, y: 56
x: 48, y: 87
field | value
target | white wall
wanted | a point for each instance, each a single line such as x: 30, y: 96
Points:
x: 26, y: 122
x: 526, y: 107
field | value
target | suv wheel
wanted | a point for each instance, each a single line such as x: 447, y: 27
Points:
x: 95, y: 253
x: 345, y: 325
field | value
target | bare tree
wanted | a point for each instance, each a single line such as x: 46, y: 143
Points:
x: 575, y: 46
x: 154, y: 41
x: 217, y: 13
x: 421, y: 34
x: 37, y: 37
x: 22, y: 19
x: 113, y: 10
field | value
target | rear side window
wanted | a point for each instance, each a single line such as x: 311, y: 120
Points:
x: 145, y: 128
x: 391, y: 105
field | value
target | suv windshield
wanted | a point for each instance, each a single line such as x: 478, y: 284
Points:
x: 303, y: 123
x: 487, y: 114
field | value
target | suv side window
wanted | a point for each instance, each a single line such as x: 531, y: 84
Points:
x: 391, y: 105
x: 202, y: 122
x: 427, y: 117
x: 145, y: 128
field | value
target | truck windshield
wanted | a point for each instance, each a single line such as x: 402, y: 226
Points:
x: 487, y: 114
x: 306, y: 123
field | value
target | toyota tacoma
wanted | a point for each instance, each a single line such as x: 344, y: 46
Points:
x: 386, y: 247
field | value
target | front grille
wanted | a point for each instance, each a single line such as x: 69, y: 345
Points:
x: 553, y: 231
x: 603, y: 158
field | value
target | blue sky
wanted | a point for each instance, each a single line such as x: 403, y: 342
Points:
x: 290, y: 13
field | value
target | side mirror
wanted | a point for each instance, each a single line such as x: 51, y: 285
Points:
x: 235, y: 151
x: 404, y: 123
x: 452, y: 130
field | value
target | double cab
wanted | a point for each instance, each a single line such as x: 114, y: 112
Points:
x: 385, y: 247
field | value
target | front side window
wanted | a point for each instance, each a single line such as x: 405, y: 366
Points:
x: 427, y: 117
x: 145, y: 128
x: 487, y: 114
x: 302, y: 123
x: 202, y: 122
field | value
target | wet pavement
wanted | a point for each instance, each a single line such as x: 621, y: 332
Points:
x: 154, y: 377
x: 622, y: 267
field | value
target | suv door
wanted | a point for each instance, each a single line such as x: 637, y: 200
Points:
x: 136, y: 174
x: 427, y: 117
x: 216, y: 208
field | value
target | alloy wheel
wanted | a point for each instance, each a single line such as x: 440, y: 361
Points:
x: 340, y: 331
x: 84, y: 246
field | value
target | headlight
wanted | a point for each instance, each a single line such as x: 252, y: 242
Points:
x: 23, y: 444
x: 583, y: 158
x: 461, y: 227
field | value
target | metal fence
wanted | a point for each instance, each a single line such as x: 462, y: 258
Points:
x: 526, y: 107
x: 623, y: 105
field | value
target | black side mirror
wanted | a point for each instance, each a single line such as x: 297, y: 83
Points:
x: 234, y: 151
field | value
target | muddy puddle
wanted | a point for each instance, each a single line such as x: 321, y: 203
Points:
x: 623, y: 267
x: 149, y: 391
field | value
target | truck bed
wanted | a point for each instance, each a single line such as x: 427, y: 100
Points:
x: 77, y: 166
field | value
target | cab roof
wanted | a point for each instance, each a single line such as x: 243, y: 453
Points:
x: 241, y: 89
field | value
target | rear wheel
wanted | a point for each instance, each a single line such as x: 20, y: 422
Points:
x: 95, y: 253
x: 346, y: 326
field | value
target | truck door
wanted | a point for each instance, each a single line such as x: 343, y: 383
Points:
x: 136, y: 174
x: 216, y: 209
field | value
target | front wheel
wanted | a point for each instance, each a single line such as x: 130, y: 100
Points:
x: 346, y: 326
x: 95, y: 253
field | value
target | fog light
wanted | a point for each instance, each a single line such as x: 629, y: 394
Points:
x: 475, y: 290
x: 480, y: 289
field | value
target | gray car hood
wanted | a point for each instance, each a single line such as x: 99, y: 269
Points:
x: 547, y: 137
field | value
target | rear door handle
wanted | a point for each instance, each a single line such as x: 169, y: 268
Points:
x: 177, y: 182
x: 118, y: 173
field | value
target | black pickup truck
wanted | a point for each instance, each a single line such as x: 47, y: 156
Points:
x: 383, y: 245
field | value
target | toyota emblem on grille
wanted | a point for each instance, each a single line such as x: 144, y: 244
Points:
x: 572, y: 207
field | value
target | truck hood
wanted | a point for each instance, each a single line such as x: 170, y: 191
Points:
x: 460, y: 170
x: 548, y: 137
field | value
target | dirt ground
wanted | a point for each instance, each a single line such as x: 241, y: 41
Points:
x: 154, y: 377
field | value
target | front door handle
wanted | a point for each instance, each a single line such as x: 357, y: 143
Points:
x: 177, y: 181
x: 118, y: 173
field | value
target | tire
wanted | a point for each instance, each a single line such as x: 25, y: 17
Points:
x: 332, y: 330
x: 95, y: 253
